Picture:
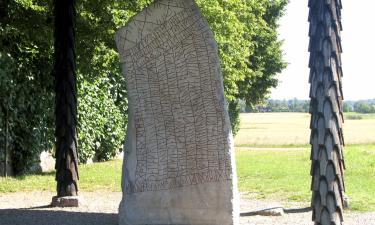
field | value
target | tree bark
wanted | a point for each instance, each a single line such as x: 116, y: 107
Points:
x: 66, y: 99
x: 6, y: 142
x: 326, y: 112
x: 3, y: 10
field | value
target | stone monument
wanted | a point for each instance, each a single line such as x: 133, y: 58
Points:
x: 179, y: 166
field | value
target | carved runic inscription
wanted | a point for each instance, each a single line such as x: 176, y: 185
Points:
x: 179, y: 125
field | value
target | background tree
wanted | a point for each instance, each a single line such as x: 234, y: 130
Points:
x: 244, y: 29
x: 250, y: 52
x: 26, y: 87
x: 26, y: 62
x: 326, y: 112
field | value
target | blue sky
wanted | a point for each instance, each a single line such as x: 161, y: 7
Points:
x: 357, y: 58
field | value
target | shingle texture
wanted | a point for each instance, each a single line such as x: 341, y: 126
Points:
x: 327, y: 140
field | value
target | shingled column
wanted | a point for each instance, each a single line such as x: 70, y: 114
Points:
x: 326, y: 112
x: 66, y: 104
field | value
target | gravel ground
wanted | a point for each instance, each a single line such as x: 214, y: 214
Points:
x: 100, y: 208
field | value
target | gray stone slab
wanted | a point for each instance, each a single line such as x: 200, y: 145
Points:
x: 179, y: 157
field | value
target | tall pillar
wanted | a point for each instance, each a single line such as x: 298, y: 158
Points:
x: 66, y: 102
x: 327, y: 142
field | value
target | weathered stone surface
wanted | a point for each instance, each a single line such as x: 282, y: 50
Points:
x: 179, y: 163
x: 67, y: 201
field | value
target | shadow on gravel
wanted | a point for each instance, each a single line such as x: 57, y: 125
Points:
x: 298, y: 210
x: 261, y: 212
x: 47, y: 217
x: 275, y: 211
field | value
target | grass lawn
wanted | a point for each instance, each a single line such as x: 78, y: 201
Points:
x: 106, y: 175
x: 285, y: 175
x: 278, y: 174
x: 359, y: 116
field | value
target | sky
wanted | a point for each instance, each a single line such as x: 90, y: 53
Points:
x: 357, y: 57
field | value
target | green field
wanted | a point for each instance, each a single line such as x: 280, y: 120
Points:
x: 282, y: 174
x: 293, y: 129
x: 285, y: 175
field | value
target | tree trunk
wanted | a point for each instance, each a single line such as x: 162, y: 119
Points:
x: 66, y: 99
x: 326, y: 112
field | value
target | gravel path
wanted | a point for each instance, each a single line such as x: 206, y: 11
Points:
x: 100, y: 208
x: 270, y: 149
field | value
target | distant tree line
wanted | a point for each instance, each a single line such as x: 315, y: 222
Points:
x: 296, y: 105
x: 362, y: 106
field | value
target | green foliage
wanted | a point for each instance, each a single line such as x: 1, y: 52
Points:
x: 361, y: 106
x: 291, y: 105
x: 26, y: 43
x: 244, y: 29
x: 296, y: 105
x: 250, y: 53
x: 364, y: 107
x: 346, y: 107
x: 101, y: 123
x: 234, y: 48
x: 234, y: 116
x: 26, y: 86
x: 7, y: 94
x: 102, y: 103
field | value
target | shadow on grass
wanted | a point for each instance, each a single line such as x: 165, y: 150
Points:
x: 37, y: 173
x: 49, y: 217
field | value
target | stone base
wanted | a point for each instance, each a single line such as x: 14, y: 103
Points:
x: 201, y: 204
x: 68, y: 201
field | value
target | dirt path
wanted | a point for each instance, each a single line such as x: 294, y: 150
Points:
x: 100, y: 208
